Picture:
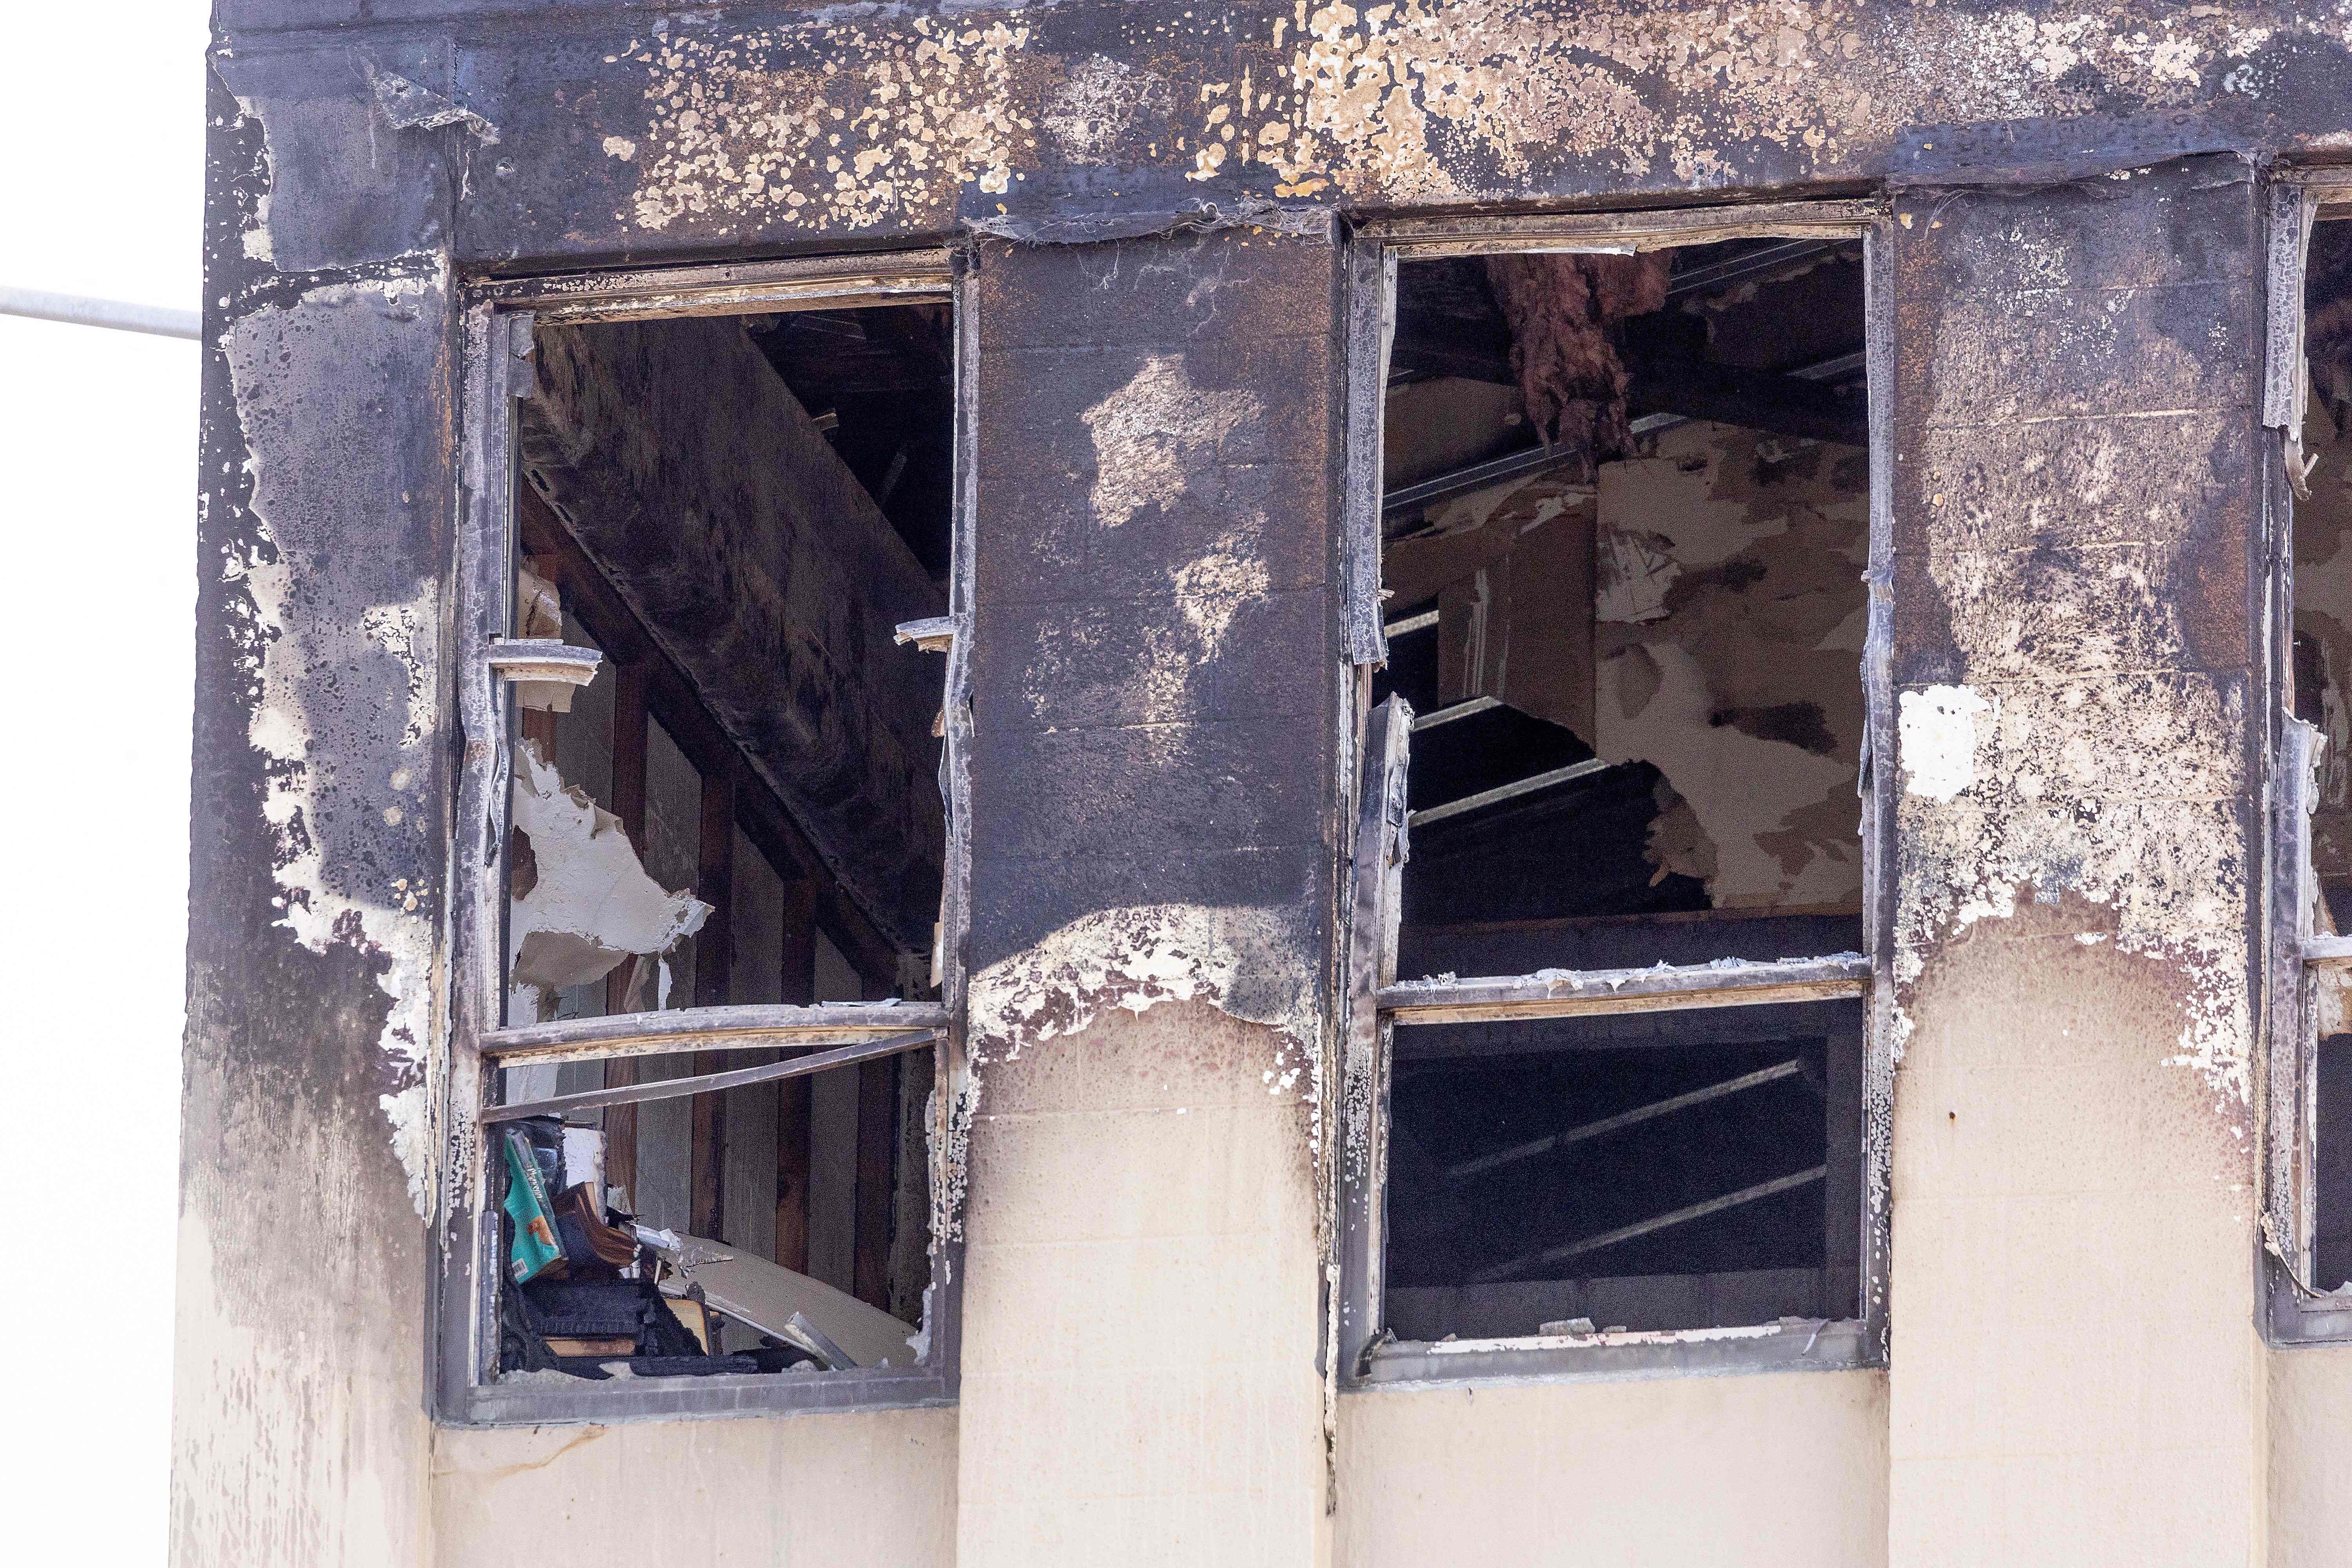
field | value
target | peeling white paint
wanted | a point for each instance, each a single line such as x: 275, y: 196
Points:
x: 1152, y: 431
x: 282, y: 646
x: 1238, y: 958
x: 1212, y: 587
x: 2122, y: 792
x: 1936, y: 731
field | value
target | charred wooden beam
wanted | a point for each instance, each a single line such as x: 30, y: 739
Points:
x: 1754, y: 400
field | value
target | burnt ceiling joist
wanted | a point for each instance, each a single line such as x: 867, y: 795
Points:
x: 1780, y: 404
x: 881, y: 381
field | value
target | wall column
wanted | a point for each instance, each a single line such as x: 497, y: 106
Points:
x: 1155, y: 679
x: 2076, y: 1375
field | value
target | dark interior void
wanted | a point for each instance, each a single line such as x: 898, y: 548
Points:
x: 2331, y: 1263
x: 1645, y: 1172
x: 1625, y: 522
x: 742, y: 806
x: 880, y: 382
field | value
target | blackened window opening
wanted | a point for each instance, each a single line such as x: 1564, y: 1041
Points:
x: 1625, y: 522
x: 741, y: 807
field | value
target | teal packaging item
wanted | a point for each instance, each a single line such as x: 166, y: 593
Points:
x: 535, y: 1246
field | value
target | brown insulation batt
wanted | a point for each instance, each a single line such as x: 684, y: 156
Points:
x: 1560, y: 309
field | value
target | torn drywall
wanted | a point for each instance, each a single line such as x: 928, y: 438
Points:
x: 587, y: 903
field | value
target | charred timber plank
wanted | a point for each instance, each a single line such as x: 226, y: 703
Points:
x: 1569, y: 993
x: 1727, y: 394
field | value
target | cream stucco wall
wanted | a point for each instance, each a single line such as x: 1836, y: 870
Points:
x: 798, y: 1491
x: 2311, y: 1458
x: 1788, y: 1469
x: 1141, y: 1304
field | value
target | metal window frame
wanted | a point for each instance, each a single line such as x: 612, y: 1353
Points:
x: 2292, y: 1313
x: 1365, y: 1357
x: 497, y: 316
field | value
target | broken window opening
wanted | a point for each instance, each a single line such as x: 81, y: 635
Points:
x: 2309, y: 400
x: 1626, y: 512
x: 707, y: 1147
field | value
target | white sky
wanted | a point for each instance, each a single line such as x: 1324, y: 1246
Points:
x: 102, y: 117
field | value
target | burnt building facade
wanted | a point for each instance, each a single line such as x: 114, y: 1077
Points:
x: 1126, y: 783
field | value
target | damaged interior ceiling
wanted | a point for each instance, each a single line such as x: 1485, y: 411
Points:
x: 740, y: 806
x: 2321, y: 670
x: 1626, y: 517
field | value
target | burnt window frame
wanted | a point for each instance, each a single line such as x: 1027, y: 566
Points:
x: 1372, y: 782
x: 2292, y: 1312
x: 497, y: 319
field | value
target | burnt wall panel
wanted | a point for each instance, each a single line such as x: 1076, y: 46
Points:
x: 603, y: 131
x: 308, y: 1151
x: 1153, y: 663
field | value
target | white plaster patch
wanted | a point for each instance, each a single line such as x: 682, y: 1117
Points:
x: 1936, y: 731
x: 1149, y: 432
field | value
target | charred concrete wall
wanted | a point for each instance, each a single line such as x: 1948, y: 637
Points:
x: 322, y: 741
x: 2079, y: 718
x: 636, y: 132
x: 1155, y: 677
x: 2075, y: 1373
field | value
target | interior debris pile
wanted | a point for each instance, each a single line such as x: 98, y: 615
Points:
x: 726, y: 791
x: 1625, y: 523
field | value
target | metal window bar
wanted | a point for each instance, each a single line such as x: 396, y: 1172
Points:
x: 1574, y: 993
x: 1511, y: 791
x: 712, y: 1082
x: 1561, y: 1253
x: 1624, y: 1119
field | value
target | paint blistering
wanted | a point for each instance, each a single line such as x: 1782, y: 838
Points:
x: 1242, y: 960
x: 856, y: 129
x: 290, y: 651
x: 837, y: 124
x: 2122, y: 791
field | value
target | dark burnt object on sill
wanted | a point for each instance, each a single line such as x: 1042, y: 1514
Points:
x: 1627, y: 516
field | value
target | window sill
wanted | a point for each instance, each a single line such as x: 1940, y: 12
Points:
x: 1808, y: 1344
x: 513, y: 1403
